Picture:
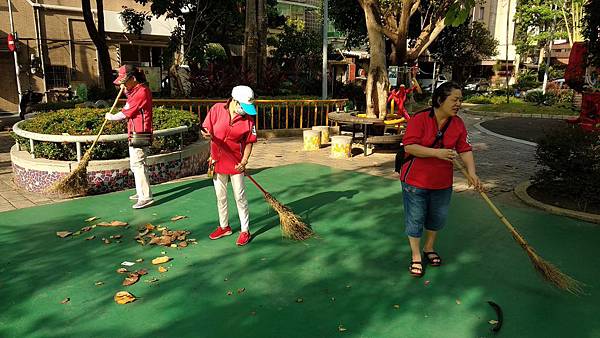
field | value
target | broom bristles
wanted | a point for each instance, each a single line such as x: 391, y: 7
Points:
x: 292, y: 225
x: 549, y: 271
x: 74, y: 183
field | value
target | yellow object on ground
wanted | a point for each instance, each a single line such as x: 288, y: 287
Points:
x: 312, y: 139
x: 341, y: 146
x: 324, y: 130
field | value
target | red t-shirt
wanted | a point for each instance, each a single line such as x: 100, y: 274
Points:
x: 430, y: 172
x: 229, y: 137
x: 138, y: 109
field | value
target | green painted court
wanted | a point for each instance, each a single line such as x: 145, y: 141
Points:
x: 351, y: 280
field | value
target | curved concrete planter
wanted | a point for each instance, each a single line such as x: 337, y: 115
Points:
x: 521, y: 193
x: 36, y: 175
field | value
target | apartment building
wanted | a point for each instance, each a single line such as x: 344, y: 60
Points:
x: 55, y: 50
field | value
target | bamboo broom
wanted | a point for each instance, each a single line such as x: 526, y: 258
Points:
x: 546, y: 269
x: 76, y: 183
x: 291, y: 224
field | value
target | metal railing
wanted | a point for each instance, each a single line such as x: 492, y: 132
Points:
x: 272, y: 114
x: 78, y: 140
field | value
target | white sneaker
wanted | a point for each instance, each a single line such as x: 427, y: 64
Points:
x: 133, y: 197
x: 143, y: 204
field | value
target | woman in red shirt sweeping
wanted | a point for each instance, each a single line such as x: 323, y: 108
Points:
x: 138, y: 112
x: 232, y: 133
x: 427, y: 171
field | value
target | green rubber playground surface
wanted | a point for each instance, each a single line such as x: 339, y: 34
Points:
x: 351, y: 280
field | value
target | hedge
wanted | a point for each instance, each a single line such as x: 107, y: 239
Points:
x: 87, y: 121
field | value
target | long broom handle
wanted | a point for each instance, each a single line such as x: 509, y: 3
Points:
x: 492, y: 206
x: 256, y: 184
x: 105, y: 120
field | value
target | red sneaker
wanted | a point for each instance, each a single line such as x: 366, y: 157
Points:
x: 220, y: 232
x: 243, y: 239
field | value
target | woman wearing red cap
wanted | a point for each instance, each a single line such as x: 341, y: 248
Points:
x: 232, y: 133
x: 138, y: 112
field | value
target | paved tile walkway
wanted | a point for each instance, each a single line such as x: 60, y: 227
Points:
x: 501, y: 164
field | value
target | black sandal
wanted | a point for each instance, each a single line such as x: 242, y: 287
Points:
x: 414, y: 267
x: 435, y: 261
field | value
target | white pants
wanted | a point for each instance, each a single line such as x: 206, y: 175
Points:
x: 239, y: 191
x: 137, y: 162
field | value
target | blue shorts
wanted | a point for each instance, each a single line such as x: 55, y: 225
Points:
x: 424, y: 208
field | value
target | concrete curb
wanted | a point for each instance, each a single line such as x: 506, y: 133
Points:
x: 487, y: 131
x: 502, y: 114
x: 521, y: 192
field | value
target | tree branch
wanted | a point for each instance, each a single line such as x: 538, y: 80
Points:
x: 427, y: 36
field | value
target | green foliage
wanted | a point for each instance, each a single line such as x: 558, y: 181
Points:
x: 297, y: 48
x: 538, y: 97
x: 82, y: 92
x: 464, y: 45
x: 569, y: 161
x: 459, y: 12
x: 134, y: 20
x: 591, y: 31
x: 479, y: 99
x: 85, y: 121
x: 536, y: 23
x: 527, y: 80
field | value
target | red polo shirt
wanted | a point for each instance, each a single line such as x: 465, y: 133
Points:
x: 229, y: 137
x: 430, y: 172
x: 138, y: 109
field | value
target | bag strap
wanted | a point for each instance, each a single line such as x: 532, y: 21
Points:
x: 440, y: 133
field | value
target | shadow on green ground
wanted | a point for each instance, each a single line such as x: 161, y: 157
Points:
x: 353, y: 274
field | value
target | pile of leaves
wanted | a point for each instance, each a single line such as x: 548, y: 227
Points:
x: 159, y: 235
x: 87, y: 121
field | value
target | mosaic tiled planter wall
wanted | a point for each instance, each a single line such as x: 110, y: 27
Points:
x: 36, y: 175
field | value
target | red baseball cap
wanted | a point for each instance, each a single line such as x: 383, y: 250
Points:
x: 124, y: 73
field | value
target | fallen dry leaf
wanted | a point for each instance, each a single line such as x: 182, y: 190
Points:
x: 143, y: 233
x: 396, y: 306
x: 177, y: 218
x: 106, y: 241
x: 159, y: 228
x: 63, y: 234
x: 65, y: 301
x: 299, y: 300
x: 90, y: 238
x: 122, y: 270
x: 240, y: 290
x: 139, y: 260
x: 229, y: 293
x: 153, y: 280
x: 92, y: 219
x: 341, y: 328
x: 182, y: 244
x: 149, y: 227
x: 458, y: 302
x: 116, y: 236
x: 98, y: 283
x: 154, y: 240
x: 77, y: 233
x: 427, y: 282
x: 131, y: 279
x: 161, y: 269
x: 112, y: 224
x: 124, y: 297
x: 142, y: 272
x: 161, y: 260
x: 173, y: 245
x: 85, y: 229
x: 493, y: 321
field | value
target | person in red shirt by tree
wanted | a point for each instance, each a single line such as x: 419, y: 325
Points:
x: 432, y: 141
x: 232, y: 133
x: 138, y: 112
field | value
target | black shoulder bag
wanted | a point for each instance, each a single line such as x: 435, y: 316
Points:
x: 400, y: 155
x: 141, y: 139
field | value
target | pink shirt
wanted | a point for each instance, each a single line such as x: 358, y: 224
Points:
x: 229, y: 137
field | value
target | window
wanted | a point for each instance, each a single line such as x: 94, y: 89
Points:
x: 141, y: 55
x: 481, y: 12
x: 57, y: 77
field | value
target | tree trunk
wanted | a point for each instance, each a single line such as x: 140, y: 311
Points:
x: 398, y: 56
x: 98, y: 37
x: 261, y: 19
x: 377, y: 79
x: 251, y: 47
